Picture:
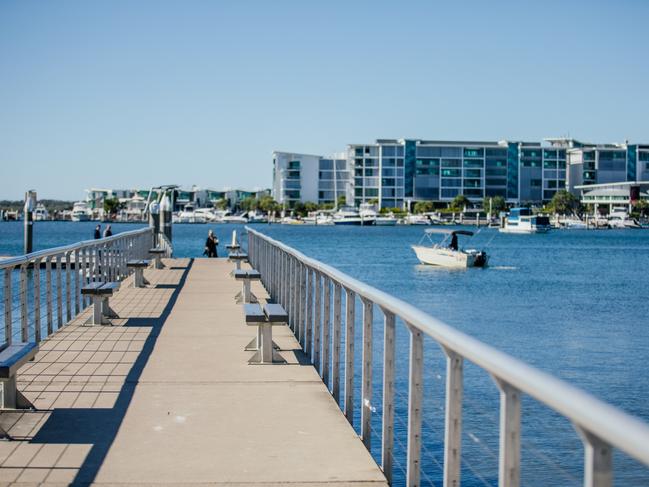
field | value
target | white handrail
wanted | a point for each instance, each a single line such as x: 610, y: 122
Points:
x: 596, y: 420
x: 41, y: 254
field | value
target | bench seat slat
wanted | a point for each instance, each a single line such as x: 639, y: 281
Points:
x: 14, y: 356
x: 275, y: 313
x: 254, y: 314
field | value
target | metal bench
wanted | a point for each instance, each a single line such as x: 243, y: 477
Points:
x: 138, y: 266
x: 264, y: 319
x: 237, y: 258
x: 100, y: 292
x: 12, y: 358
x: 246, y: 276
x: 156, y: 253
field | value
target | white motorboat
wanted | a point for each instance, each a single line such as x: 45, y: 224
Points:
x: 189, y: 214
x: 451, y: 256
x: 40, y: 213
x: 620, y: 219
x: 417, y: 220
x: 521, y: 220
x: 388, y: 220
x: 368, y: 214
x: 347, y: 215
x: 573, y: 223
x: 80, y: 212
x: 234, y: 219
x: 256, y: 217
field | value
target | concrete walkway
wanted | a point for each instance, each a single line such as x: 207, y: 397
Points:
x: 167, y: 396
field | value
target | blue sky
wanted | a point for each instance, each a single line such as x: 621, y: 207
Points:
x: 134, y: 94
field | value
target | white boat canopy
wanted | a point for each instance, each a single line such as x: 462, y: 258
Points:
x: 445, y: 231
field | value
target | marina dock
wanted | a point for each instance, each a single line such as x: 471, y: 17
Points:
x: 166, y: 396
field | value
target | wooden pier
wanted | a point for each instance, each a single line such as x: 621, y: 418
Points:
x: 166, y: 395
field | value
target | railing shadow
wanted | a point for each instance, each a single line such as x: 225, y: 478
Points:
x: 99, y: 426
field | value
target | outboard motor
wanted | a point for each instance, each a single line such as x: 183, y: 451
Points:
x: 481, y: 259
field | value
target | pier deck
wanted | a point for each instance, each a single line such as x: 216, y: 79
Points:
x: 166, y: 396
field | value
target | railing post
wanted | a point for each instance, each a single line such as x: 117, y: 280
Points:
x: 366, y: 382
x: 326, y: 332
x: 415, y: 393
x: 350, y: 318
x: 335, y: 362
x: 24, y: 330
x: 59, y: 293
x: 8, y: 305
x: 37, y: 300
x: 309, y: 312
x: 301, y: 303
x: 453, y: 418
x: 598, y: 460
x: 317, y: 322
x: 68, y: 284
x: 77, y: 282
x: 48, y: 293
x: 509, y: 474
x: 387, y: 446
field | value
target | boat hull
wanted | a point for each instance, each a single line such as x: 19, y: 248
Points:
x: 443, y: 257
x: 388, y: 222
x: 521, y: 230
x: 348, y: 221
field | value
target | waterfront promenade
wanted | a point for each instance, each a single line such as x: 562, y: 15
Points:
x: 167, y: 396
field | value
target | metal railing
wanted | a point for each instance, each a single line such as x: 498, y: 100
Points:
x: 43, y: 288
x: 304, y: 287
x: 164, y: 243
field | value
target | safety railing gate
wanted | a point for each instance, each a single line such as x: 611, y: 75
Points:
x: 305, y: 287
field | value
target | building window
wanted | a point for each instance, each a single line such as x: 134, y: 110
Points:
x: 294, y: 165
x: 468, y: 152
x: 535, y: 183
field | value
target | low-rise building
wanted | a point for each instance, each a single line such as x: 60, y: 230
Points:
x: 308, y: 177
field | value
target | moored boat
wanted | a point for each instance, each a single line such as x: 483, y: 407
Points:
x: 521, y: 220
x: 80, y: 212
x: 451, y: 256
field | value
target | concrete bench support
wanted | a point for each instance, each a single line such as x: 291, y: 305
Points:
x: 138, y: 266
x: 246, y: 276
x: 11, y: 359
x: 237, y: 258
x: 156, y: 255
x: 265, y: 319
x: 100, y: 293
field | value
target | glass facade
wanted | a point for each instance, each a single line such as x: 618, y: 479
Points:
x: 409, y: 167
x: 512, y: 170
x: 631, y: 162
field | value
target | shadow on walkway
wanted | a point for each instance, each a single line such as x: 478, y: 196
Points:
x: 98, y: 427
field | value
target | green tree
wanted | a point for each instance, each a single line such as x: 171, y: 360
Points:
x: 299, y: 208
x: 498, y: 204
x: 642, y: 207
x: 221, y: 204
x: 564, y: 203
x: 268, y: 204
x: 249, y: 203
x: 460, y: 202
x: 423, y: 206
x: 112, y: 206
x: 310, y: 206
x: 326, y: 206
x: 342, y: 200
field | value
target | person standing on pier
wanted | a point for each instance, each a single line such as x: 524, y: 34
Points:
x: 97, y: 232
x: 210, y: 244
x: 108, y: 232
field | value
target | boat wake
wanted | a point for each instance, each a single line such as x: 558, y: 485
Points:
x: 503, y: 268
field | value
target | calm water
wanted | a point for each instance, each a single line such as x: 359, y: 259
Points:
x: 573, y: 303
